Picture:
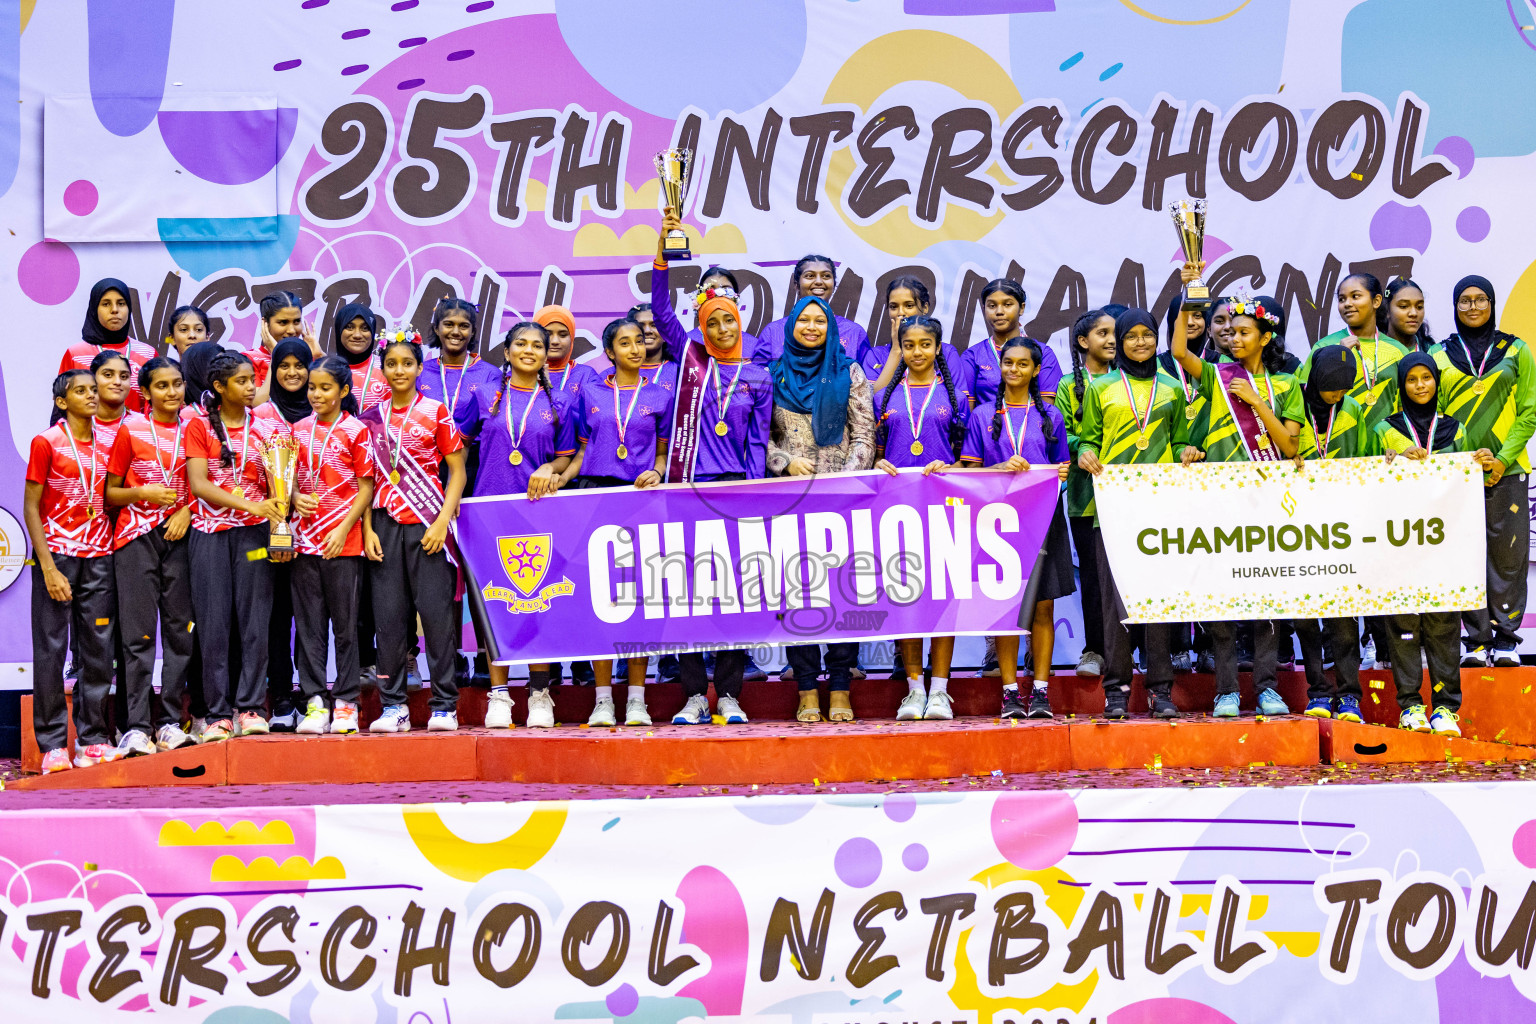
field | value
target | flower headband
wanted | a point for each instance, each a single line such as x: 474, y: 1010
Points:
x: 404, y: 332
x: 715, y: 291
x: 1242, y: 305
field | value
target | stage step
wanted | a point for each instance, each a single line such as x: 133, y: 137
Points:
x: 1348, y: 743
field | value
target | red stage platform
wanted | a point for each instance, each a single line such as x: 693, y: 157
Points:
x: 776, y: 750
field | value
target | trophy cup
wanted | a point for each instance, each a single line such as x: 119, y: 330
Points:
x: 1189, y: 221
x: 672, y: 168
x: 281, y: 458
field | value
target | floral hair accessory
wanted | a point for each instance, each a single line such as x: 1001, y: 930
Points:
x: 1243, y: 305
x: 715, y: 291
x: 405, y: 332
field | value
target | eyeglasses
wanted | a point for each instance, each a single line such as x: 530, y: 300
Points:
x: 1481, y: 302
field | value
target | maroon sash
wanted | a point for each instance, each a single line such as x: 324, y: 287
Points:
x: 692, y: 376
x: 1249, y: 426
x: 417, y: 486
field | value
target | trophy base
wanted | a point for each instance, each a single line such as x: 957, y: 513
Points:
x: 280, y: 541
x: 675, y: 248
x: 1195, y: 296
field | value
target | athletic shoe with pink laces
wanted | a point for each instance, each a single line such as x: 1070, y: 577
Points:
x: 56, y: 761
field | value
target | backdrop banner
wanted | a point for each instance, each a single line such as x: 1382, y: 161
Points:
x: 686, y: 567
x: 1249, y: 905
x: 1336, y: 538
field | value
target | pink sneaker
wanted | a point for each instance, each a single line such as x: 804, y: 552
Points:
x: 96, y: 753
x: 56, y: 761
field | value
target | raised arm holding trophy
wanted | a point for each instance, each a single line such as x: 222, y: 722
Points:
x: 1189, y: 221
x: 673, y: 167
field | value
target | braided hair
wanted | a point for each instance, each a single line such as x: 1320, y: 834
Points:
x: 1035, y: 397
x: 61, y: 385
x: 341, y: 372
x: 956, y: 422
x: 520, y: 328
x: 1080, y: 329
x: 224, y: 366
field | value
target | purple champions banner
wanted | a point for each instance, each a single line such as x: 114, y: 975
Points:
x: 866, y: 556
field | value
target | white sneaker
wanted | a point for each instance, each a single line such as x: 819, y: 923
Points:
x: 284, y: 719
x: 443, y: 721
x: 344, y: 718
x: 1443, y: 722
x: 602, y: 713
x: 937, y: 708
x: 730, y: 710
x: 541, y: 710
x: 96, y: 753
x: 1413, y: 719
x: 412, y: 680
x: 1368, y: 655
x: 636, y: 713
x: 171, y: 737
x: 498, y: 709
x: 316, y: 720
x: 199, y: 726
x: 695, y: 712
x: 394, y: 718
x: 912, y: 706
x: 135, y: 744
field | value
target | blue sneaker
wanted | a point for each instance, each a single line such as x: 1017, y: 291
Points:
x: 1226, y: 706
x: 1349, y: 709
x: 1270, y: 703
x: 1319, y: 707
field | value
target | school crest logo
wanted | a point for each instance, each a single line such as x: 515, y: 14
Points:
x: 525, y: 559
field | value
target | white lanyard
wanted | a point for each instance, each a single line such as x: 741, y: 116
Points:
x: 1430, y: 438
x: 316, y: 458
x: 723, y: 404
x: 1017, y: 442
x: 623, y: 424
x: 442, y: 378
x: 1322, y: 448
x: 245, y: 444
x: 517, y: 436
x: 89, y: 482
x: 166, y: 471
x: 405, y: 418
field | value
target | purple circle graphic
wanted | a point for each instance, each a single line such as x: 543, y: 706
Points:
x: 915, y: 857
x: 1473, y: 224
x: 623, y: 1000
x: 80, y: 197
x: 1395, y: 226
x: 857, y: 862
x: 48, y: 272
x: 899, y: 806
x: 1459, y: 152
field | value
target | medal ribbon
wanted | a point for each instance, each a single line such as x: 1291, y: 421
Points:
x: 166, y: 471
x: 917, y: 420
x: 1468, y: 352
x: 1017, y: 442
x: 90, y: 484
x: 1141, y: 421
x: 623, y: 424
x: 1430, y: 439
x: 724, y: 404
x: 521, y: 432
x: 442, y: 380
x: 394, y: 464
x: 1323, y: 447
x: 317, y: 458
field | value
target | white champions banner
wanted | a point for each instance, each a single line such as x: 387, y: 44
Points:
x: 1336, y: 538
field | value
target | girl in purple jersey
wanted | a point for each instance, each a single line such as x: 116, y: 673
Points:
x: 1024, y: 431
x: 813, y: 277
x: 920, y: 423
x: 458, y: 377
x: 1002, y: 308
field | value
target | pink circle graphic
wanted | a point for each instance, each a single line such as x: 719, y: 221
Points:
x: 1034, y: 830
x: 48, y: 272
x: 80, y: 197
x: 1525, y: 844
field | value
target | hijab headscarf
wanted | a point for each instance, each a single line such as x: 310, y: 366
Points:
x: 815, y: 381
x: 351, y: 311
x: 1142, y: 369
x: 1474, y: 340
x: 558, y: 314
x: 294, y: 405
x: 93, y: 331
x: 1422, y: 414
x: 1333, y: 369
x: 706, y: 310
x: 195, y: 362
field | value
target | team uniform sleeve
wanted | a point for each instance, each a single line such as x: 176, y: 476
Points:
x: 861, y: 344
x: 201, y: 444
x: 449, y: 440
x: 121, y: 455
x: 973, y: 451
x: 665, y: 316
x: 1392, y: 440
x: 1050, y: 372
x: 362, y: 455
x: 1090, y: 434
x: 1066, y: 404
x: 1525, y: 409
x: 39, y: 459
x: 565, y: 437
x: 758, y: 426
x: 583, y: 428
x: 1290, y: 404
x: 1061, y: 449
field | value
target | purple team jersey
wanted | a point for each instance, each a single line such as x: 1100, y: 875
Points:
x: 983, y: 372
x: 897, y: 423
x: 549, y: 433
x: 468, y: 391
x: 649, y: 412
x: 748, y: 402
x: 981, y: 448
x: 573, y: 378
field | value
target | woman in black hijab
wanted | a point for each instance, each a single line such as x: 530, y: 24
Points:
x: 1488, y: 382
x: 108, y: 319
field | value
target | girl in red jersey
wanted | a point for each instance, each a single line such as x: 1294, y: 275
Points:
x: 333, y: 488
x: 282, y: 316
x: 405, y: 537
x: 147, y: 476
x: 231, y: 577
x: 72, y: 583
x: 358, y: 331
x: 107, y: 322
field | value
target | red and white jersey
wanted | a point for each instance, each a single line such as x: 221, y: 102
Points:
x: 332, y: 458
x: 147, y: 453
x: 261, y: 361
x: 79, y: 356
x: 73, y: 503
x: 202, y: 443
x: 106, y: 430
x: 429, y: 434
x: 368, y: 384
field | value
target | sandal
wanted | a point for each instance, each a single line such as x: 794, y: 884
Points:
x: 840, y: 710
x: 810, y: 707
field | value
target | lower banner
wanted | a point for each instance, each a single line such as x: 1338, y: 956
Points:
x: 597, y: 574
x: 1123, y: 906
x: 1337, y: 538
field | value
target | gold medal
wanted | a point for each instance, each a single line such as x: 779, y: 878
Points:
x: 1190, y: 412
x: 917, y: 448
x: 1369, y: 398
x: 239, y: 492
x: 623, y: 452
x: 722, y: 429
x: 394, y: 476
x: 516, y: 458
x: 1142, y: 442
x: 90, y: 512
x: 1479, y: 386
x: 1262, y: 439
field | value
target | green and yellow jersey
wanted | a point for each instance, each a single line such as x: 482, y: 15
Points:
x: 1079, y: 482
x: 1348, y: 438
x: 1390, y: 439
x: 1221, y: 441
x: 1498, y: 409
x: 1376, y: 362
x: 1110, y: 428
x: 1197, y: 408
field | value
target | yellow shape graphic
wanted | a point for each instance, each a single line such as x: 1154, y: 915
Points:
x: 213, y: 833
x: 600, y: 240
x: 724, y: 238
x: 1258, y: 905
x: 1517, y: 314
x: 525, y: 558
x: 1302, y: 944
x: 230, y: 868
x: 469, y: 861
x: 1175, y: 21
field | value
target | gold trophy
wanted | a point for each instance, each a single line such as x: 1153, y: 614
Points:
x: 281, y: 458
x: 1189, y: 221
x: 672, y: 169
